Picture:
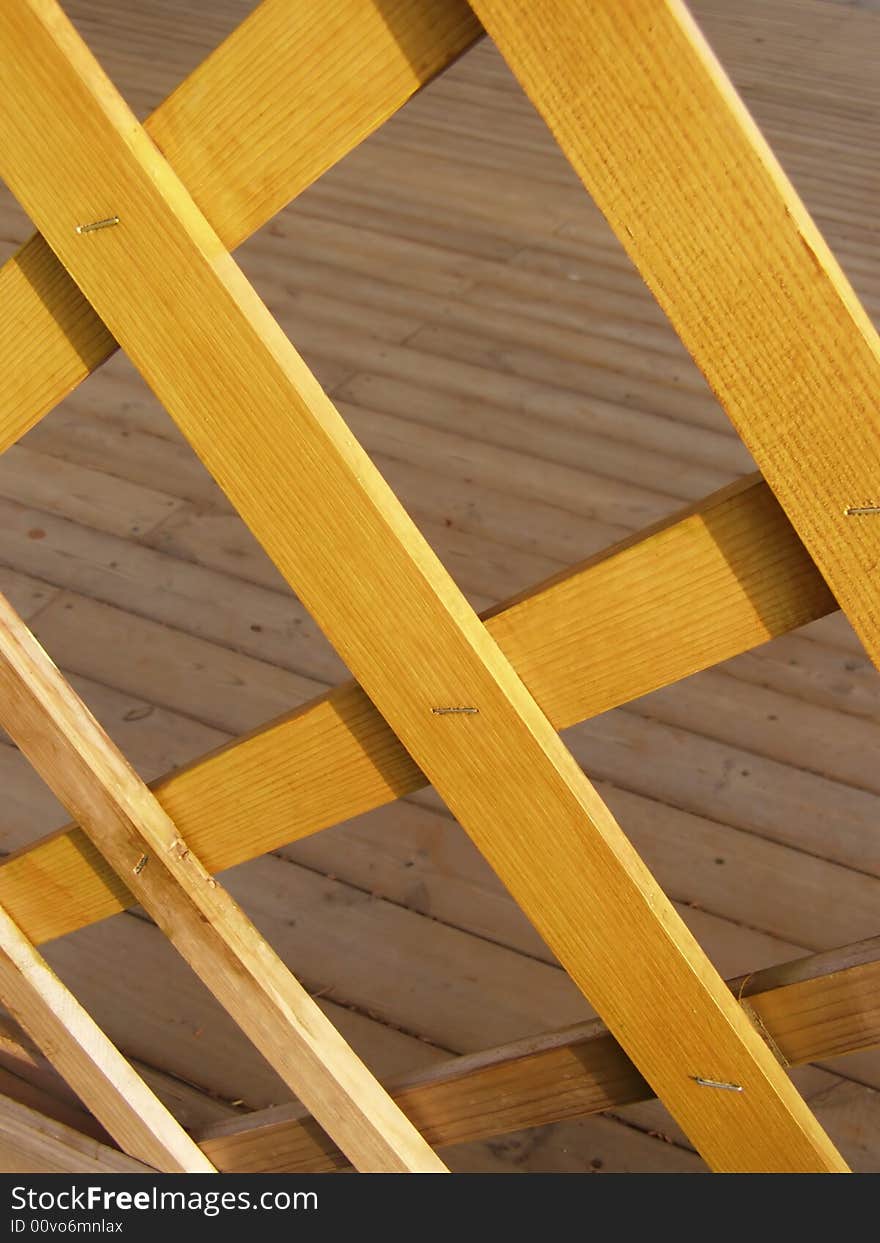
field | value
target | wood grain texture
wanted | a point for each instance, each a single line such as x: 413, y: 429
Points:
x: 77, y: 760
x: 605, y: 632
x: 822, y: 1006
x: 290, y: 92
x: 657, y: 133
x: 333, y: 74
x: 31, y: 1143
x: 811, y: 1009
x: 246, y: 401
x: 89, y: 1061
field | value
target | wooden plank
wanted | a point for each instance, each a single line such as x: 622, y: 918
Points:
x: 260, y: 119
x: 741, y: 577
x: 668, y: 151
x: 31, y: 1143
x: 813, y: 1008
x: 124, y: 821
x: 89, y: 1061
x: 822, y: 1006
x: 221, y: 134
x: 244, y: 398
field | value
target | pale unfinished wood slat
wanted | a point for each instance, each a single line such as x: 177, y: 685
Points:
x: 246, y: 401
x: 605, y: 632
x: 31, y: 1143
x: 657, y: 133
x: 64, y: 742
x: 89, y: 1061
x: 812, y: 1009
x: 287, y: 95
x: 291, y: 91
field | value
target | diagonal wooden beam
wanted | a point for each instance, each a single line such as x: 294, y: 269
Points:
x: 815, y: 1008
x: 287, y: 95
x: 706, y: 584
x: 666, y: 148
x: 89, y: 1061
x: 262, y: 425
x: 91, y: 778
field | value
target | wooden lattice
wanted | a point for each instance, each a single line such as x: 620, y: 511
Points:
x: 135, y: 227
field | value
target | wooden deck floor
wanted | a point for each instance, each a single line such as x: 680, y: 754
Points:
x: 485, y: 336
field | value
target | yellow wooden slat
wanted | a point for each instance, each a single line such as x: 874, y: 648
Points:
x: 92, y: 1065
x: 80, y: 764
x: 603, y: 633
x: 289, y: 93
x: 262, y: 425
x: 292, y: 91
x: 668, y: 151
